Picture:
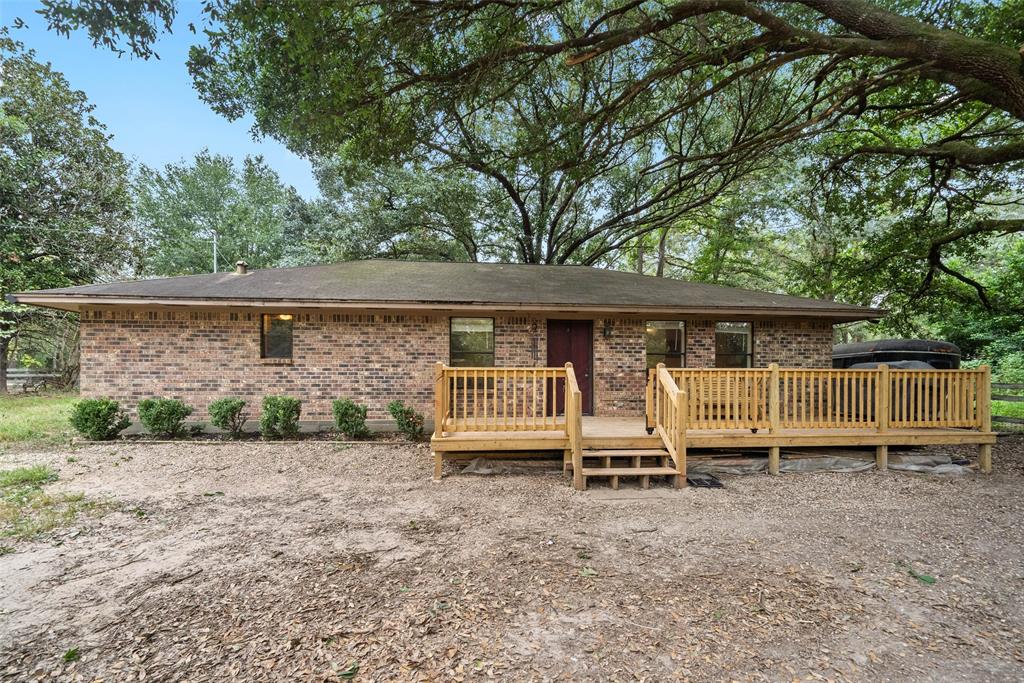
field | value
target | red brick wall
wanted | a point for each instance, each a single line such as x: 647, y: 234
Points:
x: 793, y: 343
x: 620, y: 366
x: 790, y: 343
x: 199, y: 356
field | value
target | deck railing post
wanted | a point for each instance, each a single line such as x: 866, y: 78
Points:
x: 649, y: 400
x: 882, y: 398
x: 657, y: 395
x: 440, y: 404
x: 985, y: 399
x: 985, y: 418
x: 773, y: 398
x: 574, y: 426
x: 680, y: 429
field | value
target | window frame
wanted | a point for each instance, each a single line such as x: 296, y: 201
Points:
x: 263, y: 335
x: 750, y: 335
x: 682, y: 351
x: 451, y: 337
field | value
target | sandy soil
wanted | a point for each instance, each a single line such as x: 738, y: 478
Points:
x: 316, y: 562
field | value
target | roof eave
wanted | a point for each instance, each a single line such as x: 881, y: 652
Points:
x: 75, y: 302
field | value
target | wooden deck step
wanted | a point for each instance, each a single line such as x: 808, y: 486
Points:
x: 628, y: 471
x: 625, y: 453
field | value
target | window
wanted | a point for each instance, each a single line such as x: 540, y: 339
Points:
x: 666, y: 343
x: 734, y: 346
x: 276, y: 336
x: 472, y: 342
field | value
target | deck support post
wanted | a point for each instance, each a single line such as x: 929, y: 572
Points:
x: 773, y: 460
x: 985, y: 458
x: 437, y: 465
x: 680, y: 429
x: 985, y: 418
x: 881, y: 458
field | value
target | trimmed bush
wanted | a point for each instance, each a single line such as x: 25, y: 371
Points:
x: 229, y: 414
x: 279, y: 418
x: 350, y: 418
x: 408, y: 420
x: 164, y: 416
x: 99, y: 419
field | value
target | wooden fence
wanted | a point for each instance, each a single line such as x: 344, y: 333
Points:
x: 776, y: 398
x: 18, y: 378
x: 1013, y: 393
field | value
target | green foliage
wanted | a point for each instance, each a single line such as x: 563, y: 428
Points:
x: 350, y: 418
x: 99, y: 419
x: 279, y: 418
x: 164, y: 417
x: 182, y: 207
x: 395, y: 212
x: 64, y: 202
x: 229, y: 414
x: 138, y: 22
x: 409, y: 421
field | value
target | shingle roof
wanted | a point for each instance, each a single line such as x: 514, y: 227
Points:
x: 391, y: 284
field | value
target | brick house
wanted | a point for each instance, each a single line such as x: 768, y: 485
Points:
x: 373, y: 330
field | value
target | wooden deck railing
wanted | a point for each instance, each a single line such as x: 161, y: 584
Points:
x: 574, y: 424
x: 776, y: 398
x: 498, y: 399
x: 670, y: 410
x: 723, y: 399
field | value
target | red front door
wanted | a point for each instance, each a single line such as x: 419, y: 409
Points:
x: 572, y: 341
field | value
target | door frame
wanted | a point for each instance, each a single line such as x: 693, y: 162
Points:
x: 588, y: 406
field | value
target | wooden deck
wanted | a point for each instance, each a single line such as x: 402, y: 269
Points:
x: 517, y: 409
x: 629, y: 432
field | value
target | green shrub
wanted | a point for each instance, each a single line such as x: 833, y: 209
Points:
x: 164, y: 416
x: 408, y: 420
x: 229, y: 414
x: 280, y: 417
x: 350, y: 418
x: 99, y: 419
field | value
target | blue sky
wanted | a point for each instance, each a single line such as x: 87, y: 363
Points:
x: 150, y: 106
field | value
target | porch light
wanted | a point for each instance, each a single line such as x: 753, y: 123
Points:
x: 607, y: 331
x: 284, y: 316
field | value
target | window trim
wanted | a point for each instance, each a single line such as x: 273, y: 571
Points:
x: 263, y: 337
x: 494, y: 339
x: 750, y: 354
x: 682, y: 352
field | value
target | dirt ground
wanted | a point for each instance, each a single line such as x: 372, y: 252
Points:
x: 320, y: 562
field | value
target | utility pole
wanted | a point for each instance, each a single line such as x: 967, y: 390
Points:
x: 215, y: 251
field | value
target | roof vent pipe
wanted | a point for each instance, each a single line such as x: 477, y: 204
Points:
x: 241, y: 267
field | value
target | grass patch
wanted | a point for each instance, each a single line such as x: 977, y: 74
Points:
x: 27, y: 511
x: 1007, y: 409
x: 36, y: 475
x: 35, y: 419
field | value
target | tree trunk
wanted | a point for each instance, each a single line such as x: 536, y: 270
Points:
x: 5, y: 345
x: 661, y: 252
